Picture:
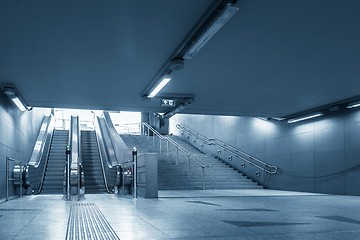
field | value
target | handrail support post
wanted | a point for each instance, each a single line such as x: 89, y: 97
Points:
x: 153, y: 137
x: 68, y: 166
x: 188, y: 160
x: 177, y: 156
x: 160, y: 144
x: 167, y: 148
x: 134, y: 155
x: 203, y: 178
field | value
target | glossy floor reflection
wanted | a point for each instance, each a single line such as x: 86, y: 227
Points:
x: 227, y: 214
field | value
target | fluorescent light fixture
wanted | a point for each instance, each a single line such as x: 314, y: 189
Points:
x: 264, y: 118
x: 15, y: 97
x: 305, y: 117
x: 19, y: 104
x: 160, y: 86
x: 353, y: 104
x: 229, y: 11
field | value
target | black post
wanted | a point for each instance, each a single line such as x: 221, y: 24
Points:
x: 68, y: 164
x: 134, y: 156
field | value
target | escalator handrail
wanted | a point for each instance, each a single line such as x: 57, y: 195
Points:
x: 118, y: 145
x: 47, y: 126
x: 99, y: 128
x: 104, y: 152
x: 102, y: 163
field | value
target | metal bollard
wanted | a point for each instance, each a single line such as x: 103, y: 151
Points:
x: 68, y: 166
x: 134, y: 156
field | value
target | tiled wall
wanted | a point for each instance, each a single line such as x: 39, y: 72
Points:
x: 18, y: 132
x: 313, y: 156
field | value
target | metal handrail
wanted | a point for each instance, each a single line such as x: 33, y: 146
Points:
x: 175, y: 144
x: 186, y: 152
x: 271, y: 169
x: 189, y: 155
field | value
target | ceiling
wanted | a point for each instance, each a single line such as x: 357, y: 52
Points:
x: 272, y: 58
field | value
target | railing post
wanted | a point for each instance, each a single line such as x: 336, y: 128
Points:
x: 134, y: 155
x: 177, y: 156
x: 160, y: 144
x: 68, y: 165
x: 167, y: 148
x: 188, y: 159
x: 148, y: 133
x: 203, y: 177
x: 7, y: 178
x: 153, y: 137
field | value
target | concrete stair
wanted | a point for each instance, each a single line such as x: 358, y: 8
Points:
x: 173, y: 167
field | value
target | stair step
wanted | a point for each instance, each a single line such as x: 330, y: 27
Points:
x: 171, y: 176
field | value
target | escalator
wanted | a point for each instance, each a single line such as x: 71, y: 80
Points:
x: 54, y: 173
x: 93, y: 172
x: 94, y: 166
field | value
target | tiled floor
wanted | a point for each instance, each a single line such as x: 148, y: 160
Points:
x: 232, y: 214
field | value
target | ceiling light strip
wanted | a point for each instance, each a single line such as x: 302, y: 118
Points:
x: 305, y: 117
x: 200, y: 42
x: 353, y: 104
x: 159, y: 86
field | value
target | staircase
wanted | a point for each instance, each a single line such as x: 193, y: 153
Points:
x: 175, y: 177
x: 94, y: 179
x: 54, y: 173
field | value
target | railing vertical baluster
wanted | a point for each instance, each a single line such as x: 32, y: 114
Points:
x: 160, y: 144
x: 188, y: 159
x: 153, y: 137
x: 203, y: 178
x: 177, y: 156
x: 167, y: 148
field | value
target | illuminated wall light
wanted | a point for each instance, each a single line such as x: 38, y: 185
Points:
x: 15, y: 97
x: 160, y: 86
x: 305, y: 117
x: 353, y: 104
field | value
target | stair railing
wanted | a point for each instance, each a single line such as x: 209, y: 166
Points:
x: 271, y: 169
x: 178, y: 147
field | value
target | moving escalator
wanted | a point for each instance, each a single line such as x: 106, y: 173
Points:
x: 53, y: 182
x: 93, y: 173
